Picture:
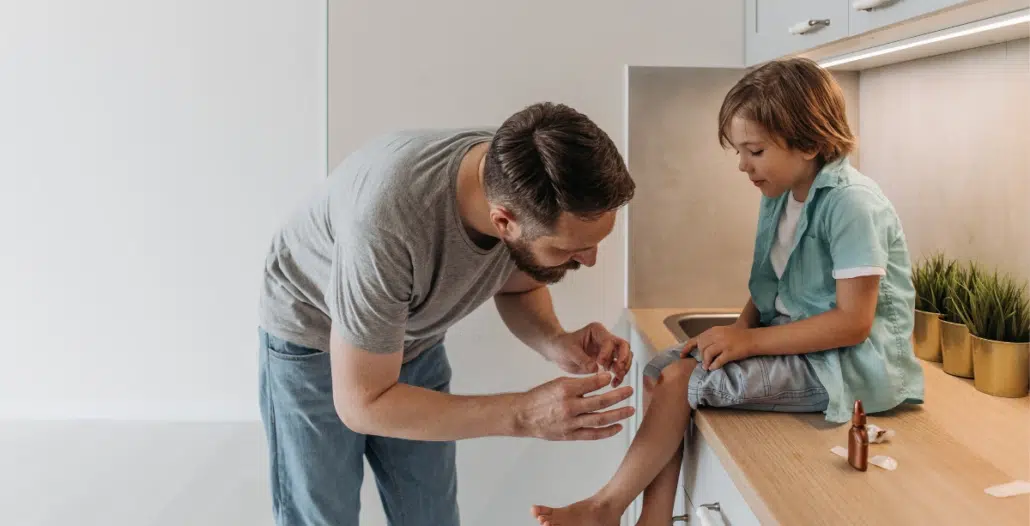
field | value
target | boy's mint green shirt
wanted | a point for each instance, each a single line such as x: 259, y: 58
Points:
x: 847, y: 226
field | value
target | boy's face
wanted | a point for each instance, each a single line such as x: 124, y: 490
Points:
x: 769, y: 164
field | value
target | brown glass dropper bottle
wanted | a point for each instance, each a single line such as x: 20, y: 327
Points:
x: 858, y: 439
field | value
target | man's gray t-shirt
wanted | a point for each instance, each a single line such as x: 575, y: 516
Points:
x: 380, y: 250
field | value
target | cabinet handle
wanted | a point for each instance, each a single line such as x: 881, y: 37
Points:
x: 686, y: 518
x: 808, y: 25
x: 869, y: 5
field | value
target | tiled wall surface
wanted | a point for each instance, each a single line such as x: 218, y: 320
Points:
x: 948, y: 138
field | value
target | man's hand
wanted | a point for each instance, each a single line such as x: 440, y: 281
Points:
x: 721, y: 345
x: 559, y: 409
x: 583, y: 351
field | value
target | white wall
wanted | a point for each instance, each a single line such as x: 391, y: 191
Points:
x: 456, y: 63
x: 147, y: 151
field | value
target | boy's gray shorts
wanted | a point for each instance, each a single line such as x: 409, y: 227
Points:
x: 762, y: 383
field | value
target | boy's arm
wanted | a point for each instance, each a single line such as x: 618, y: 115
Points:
x: 749, y: 317
x: 859, y: 228
x: 845, y: 325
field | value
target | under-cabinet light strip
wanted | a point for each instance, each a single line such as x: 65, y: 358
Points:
x: 1010, y: 19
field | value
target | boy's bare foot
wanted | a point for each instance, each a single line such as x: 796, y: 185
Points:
x: 583, y: 513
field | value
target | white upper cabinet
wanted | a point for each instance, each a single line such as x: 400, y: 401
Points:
x: 780, y: 27
x: 828, y: 28
x: 867, y: 15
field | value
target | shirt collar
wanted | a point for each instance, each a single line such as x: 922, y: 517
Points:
x: 831, y: 175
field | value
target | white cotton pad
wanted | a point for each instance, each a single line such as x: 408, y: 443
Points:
x: 882, y: 461
x: 1010, y: 489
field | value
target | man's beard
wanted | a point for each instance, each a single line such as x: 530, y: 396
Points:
x: 526, y: 262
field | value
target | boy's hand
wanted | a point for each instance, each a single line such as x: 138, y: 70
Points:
x: 721, y: 345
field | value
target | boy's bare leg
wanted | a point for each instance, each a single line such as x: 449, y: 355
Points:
x: 659, y: 439
x: 660, y: 495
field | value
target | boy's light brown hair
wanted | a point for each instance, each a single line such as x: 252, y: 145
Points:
x: 798, y: 103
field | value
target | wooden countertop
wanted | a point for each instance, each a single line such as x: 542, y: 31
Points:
x: 958, y: 443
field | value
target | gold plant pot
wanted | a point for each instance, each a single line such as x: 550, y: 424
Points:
x: 927, y: 336
x: 956, y: 352
x: 1001, y: 368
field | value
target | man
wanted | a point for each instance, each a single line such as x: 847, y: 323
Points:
x: 407, y: 236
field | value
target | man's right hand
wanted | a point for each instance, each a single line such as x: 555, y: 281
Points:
x: 560, y: 409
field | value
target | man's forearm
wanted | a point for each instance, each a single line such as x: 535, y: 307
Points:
x: 829, y: 330
x: 530, y: 316
x: 414, y: 413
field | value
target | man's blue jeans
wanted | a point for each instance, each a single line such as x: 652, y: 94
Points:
x: 316, y: 461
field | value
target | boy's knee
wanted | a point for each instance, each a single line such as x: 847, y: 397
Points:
x: 678, y: 373
x: 649, y: 384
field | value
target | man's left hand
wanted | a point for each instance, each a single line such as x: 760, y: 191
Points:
x: 583, y: 351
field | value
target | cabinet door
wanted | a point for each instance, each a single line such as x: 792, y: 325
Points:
x: 704, y: 480
x: 892, y: 12
x: 772, y: 26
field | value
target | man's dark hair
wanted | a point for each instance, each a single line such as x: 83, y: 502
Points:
x: 548, y: 159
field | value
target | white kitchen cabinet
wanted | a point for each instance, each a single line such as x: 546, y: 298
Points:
x: 705, y: 481
x: 774, y: 28
x: 641, y: 352
x: 887, y: 12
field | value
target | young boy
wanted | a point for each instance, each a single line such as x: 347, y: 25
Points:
x: 831, y: 311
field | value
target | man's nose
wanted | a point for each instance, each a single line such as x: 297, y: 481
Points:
x: 587, y: 258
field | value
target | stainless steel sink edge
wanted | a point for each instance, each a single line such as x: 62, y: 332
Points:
x: 687, y: 325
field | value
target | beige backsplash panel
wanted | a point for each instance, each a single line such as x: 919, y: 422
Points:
x: 692, y: 222
x: 948, y: 139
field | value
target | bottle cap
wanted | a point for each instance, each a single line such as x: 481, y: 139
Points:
x: 858, y: 418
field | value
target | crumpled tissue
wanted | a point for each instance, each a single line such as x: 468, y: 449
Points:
x: 878, y: 434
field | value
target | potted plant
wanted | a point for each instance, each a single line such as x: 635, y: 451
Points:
x: 956, y: 350
x: 999, y: 323
x: 929, y: 277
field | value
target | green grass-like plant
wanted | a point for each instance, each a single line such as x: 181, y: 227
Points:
x: 930, y: 279
x: 961, y: 286
x: 998, y: 308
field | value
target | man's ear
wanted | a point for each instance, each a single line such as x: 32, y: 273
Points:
x: 809, y: 156
x: 505, y: 223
